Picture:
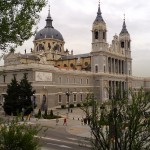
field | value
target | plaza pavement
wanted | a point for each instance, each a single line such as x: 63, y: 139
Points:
x: 74, y: 125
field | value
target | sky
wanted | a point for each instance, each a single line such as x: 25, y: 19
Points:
x: 74, y: 19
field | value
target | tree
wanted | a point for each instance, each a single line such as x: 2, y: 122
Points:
x: 12, y: 103
x: 121, y: 125
x: 18, y: 96
x: 16, y: 136
x: 26, y: 91
x: 17, y: 18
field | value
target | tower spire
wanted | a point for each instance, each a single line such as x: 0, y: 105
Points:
x: 49, y: 20
x: 124, y: 29
x: 99, y: 17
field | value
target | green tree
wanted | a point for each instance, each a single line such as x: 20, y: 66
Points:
x: 121, y: 125
x: 16, y: 136
x: 12, y: 103
x: 26, y: 91
x: 18, y: 96
x: 17, y: 18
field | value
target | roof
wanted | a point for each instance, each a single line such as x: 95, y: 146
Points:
x: 75, y: 56
x: 99, y: 17
x: 29, y: 56
x: 49, y: 31
x: 124, y: 29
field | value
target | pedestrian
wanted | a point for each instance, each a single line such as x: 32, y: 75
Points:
x: 82, y: 121
x: 28, y: 116
x: 23, y: 113
x: 89, y: 120
x: 65, y: 122
x: 34, y: 103
x: 85, y: 121
x: 57, y: 121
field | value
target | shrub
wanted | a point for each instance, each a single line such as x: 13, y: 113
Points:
x: 16, y: 136
x: 45, y: 114
x: 63, y: 106
x: 39, y: 114
x: 71, y: 105
x: 51, y: 113
x: 51, y: 117
x: 78, y: 105
x: 85, y: 104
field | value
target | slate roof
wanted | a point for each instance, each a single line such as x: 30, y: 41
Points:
x: 75, y: 56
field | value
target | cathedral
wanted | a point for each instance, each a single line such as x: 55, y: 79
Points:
x: 65, y: 78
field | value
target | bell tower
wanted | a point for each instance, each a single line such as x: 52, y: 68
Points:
x: 99, y: 33
x: 125, y: 47
x: 99, y: 43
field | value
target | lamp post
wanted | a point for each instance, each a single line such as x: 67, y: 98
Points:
x: 68, y: 94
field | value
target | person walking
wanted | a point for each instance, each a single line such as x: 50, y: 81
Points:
x: 82, y: 121
x: 57, y: 121
x: 65, y: 122
x: 23, y: 113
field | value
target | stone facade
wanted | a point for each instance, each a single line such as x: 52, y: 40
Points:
x: 55, y: 71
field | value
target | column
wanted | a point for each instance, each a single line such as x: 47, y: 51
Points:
x: 121, y: 67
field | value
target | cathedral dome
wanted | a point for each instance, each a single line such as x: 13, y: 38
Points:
x: 49, y: 31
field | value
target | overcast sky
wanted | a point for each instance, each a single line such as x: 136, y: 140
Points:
x: 74, y: 18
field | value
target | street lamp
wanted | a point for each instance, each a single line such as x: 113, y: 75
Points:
x: 68, y: 94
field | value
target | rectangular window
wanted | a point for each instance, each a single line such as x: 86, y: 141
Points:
x: 96, y: 69
x: 104, y: 69
x: 4, y: 78
x: 67, y: 99
x: 87, y: 81
x: 59, y: 79
x: 74, y: 98
x: 67, y: 80
x: 59, y: 99
x: 81, y: 97
x: 80, y: 81
x: 14, y: 75
x: 104, y: 35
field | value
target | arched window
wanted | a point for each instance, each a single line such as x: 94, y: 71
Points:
x: 56, y: 47
x: 104, y: 35
x: 96, y: 34
x: 65, y: 65
x: 122, y: 44
x: 86, y: 63
x: 49, y: 46
x: 41, y: 47
x: 71, y: 65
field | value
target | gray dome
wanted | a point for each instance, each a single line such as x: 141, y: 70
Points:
x: 48, y: 32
